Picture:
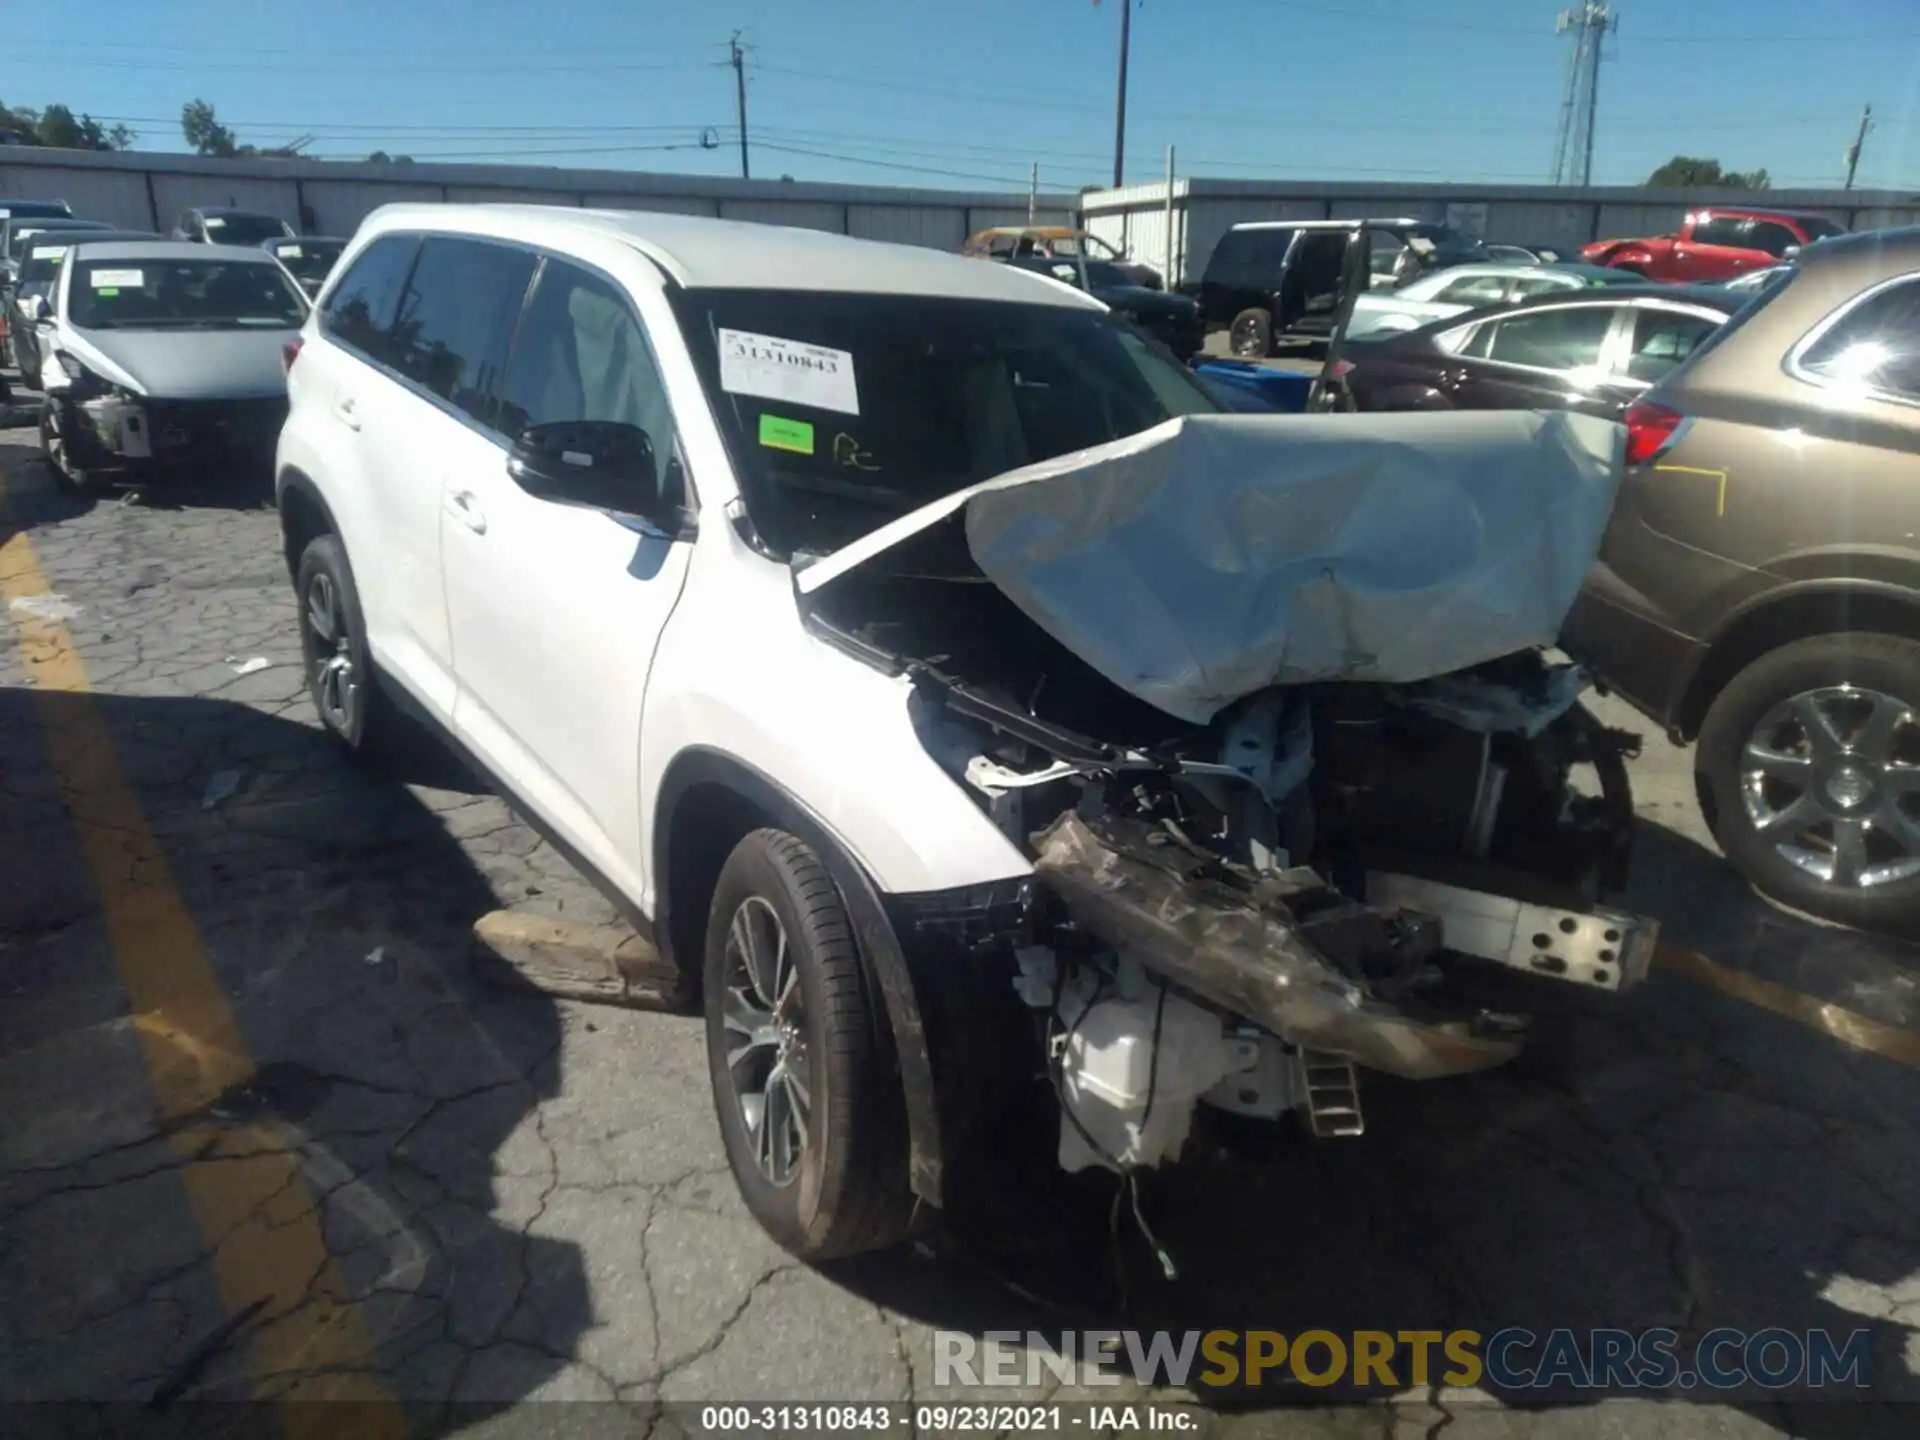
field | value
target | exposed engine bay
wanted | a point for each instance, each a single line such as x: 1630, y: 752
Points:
x: 1238, y: 910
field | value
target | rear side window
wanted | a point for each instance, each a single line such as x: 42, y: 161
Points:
x: 1474, y: 290
x: 1542, y: 285
x: 1719, y: 230
x: 1551, y: 339
x: 1876, y: 343
x: 580, y: 354
x: 359, y: 313
x: 1770, y: 236
x: 457, y: 317
x: 1662, y: 339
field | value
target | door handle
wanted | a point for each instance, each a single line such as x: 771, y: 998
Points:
x: 345, y: 413
x: 464, y: 508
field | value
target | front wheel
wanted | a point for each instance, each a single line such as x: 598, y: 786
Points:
x: 333, y: 645
x: 1809, y: 772
x: 810, y: 1110
x: 57, y: 447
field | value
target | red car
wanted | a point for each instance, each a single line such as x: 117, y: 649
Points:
x: 1714, y: 244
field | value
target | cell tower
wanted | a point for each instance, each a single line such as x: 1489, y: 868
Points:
x: 1590, y: 23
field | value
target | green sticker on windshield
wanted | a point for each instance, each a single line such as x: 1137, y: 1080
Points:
x: 777, y: 433
x: 108, y: 291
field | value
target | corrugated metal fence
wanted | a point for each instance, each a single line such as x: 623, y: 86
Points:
x: 148, y: 192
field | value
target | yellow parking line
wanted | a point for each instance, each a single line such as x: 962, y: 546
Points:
x: 1849, y: 1027
x: 244, y: 1182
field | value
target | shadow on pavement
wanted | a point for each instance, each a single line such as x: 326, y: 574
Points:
x: 334, y: 908
x: 1668, y: 1159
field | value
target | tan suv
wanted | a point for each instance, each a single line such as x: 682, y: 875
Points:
x: 1759, y: 587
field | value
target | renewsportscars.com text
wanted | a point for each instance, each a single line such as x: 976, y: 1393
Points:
x: 1510, y: 1359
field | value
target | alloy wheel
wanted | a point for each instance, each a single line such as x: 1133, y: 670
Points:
x: 1830, y: 778
x: 1244, y: 340
x: 767, y: 1059
x: 336, y: 687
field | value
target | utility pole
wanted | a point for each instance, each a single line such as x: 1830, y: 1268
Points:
x: 1169, y: 279
x: 1859, y: 139
x: 1033, y: 192
x: 1120, y: 100
x: 739, y: 61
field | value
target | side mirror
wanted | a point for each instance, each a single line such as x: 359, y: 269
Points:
x: 1791, y: 252
x: 42, y: 310
x: 595, y: 464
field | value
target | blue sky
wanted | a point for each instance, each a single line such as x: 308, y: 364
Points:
x: 967, y: 95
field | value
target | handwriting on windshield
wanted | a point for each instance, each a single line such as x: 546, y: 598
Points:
x: 847, y: 451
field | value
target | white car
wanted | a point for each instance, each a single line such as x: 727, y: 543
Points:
x: 901, y: 641
x: 158, y: 354
x: 1461, y: 288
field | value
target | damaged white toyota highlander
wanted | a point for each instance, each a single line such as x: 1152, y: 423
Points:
x: 982, y: 723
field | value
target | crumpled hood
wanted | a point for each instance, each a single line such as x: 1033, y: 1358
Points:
x: 186, y: 364
x: 1218, y: 555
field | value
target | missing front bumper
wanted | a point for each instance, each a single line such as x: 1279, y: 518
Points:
x: 1265, y: 951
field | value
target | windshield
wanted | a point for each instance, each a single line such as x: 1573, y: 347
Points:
x: 243, y: 229
x: 1101, y: 274
x: 41, y: 265
x: 24, y: 236
x: 309, y: 260
x: 844, y: 411
x: 150, y: 294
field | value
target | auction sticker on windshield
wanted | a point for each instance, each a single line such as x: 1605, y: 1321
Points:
x: 116, y: 279
x: 776, y: 369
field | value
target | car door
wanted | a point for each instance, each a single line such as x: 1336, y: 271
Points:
x: 556, y: 610
x: 1715, y: 250
x: 1552, y: 358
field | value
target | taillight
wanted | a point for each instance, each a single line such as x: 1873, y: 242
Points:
x: 1340, y: 368
x: 289, y: 353
x: 1650, y: 429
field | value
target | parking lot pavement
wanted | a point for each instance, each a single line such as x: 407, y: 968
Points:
x: 261, y: 1133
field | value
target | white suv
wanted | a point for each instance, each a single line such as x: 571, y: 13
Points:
x: 689, y: 534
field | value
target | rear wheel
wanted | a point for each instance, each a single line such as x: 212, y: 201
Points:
x: 1251, y: 335
x: 810, y: 1110
x: 1809, y: 771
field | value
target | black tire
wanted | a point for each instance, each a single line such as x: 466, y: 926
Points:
x: 323, y: 580
x: 1886, y: 665
x: 846, y: 1191
x: 57, y: 449
x: 1251, y: 335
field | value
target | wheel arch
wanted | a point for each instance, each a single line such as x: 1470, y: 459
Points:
x: 707, y: 802
x: 304, y: 515
x: 1798, y: 613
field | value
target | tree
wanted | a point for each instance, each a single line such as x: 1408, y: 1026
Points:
x: 57, y: 127
x: 380, y: 157
x: 1686, y: 172
x: 205, y: 133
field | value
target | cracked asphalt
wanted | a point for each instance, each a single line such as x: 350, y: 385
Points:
x: 367, y: 1176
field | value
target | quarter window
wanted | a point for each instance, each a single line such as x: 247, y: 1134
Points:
x: 1542, y: 285
x: 1662, y: 339
x: 360, y: 311
x: 581, y: 355
x: 1876, y: 343
x: 456, y: 318
x: 1550, y: 339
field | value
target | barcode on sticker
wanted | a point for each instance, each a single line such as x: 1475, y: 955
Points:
x: 116, y: 279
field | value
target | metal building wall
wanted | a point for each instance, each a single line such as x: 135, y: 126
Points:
x: 173, y: 194
x: 340, y: 205
x: 115, y: 195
